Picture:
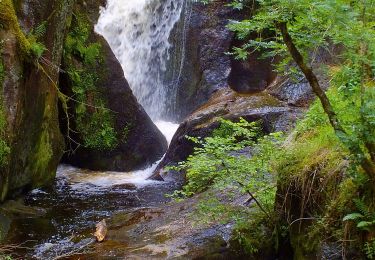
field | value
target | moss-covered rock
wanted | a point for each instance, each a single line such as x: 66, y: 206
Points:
x: 109, y: 130
x: 30, y: 93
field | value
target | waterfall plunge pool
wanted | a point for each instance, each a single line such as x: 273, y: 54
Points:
x: 59, y: 220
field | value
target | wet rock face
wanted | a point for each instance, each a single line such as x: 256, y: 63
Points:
x: 143, y: 143
x: 201, y: 42
x: 30, y: 100
x: 294, y: 93
x: 250, y: 75
x: 28, y: 95
x: 274, y: 114
x: 205, y: 39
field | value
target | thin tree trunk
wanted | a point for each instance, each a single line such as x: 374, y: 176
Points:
x: 311, y: 78
x: 367, y: 164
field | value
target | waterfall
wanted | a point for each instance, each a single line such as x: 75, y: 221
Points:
x: 138, y: 32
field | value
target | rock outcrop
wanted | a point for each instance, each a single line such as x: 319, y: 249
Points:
x: 137, y: 141
x: 29, y: 92
x: 202, y: 42
x: 166, y: 232
x: 274, y: 115
x: 33, y: 38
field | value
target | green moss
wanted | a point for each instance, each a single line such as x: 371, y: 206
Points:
x: 9, y: 19
x: 4, y: 147
x: 2, y: 68
x: 43, y: 156
x: 29, y: 46
x: 320, y: 179
x: 94, y: 121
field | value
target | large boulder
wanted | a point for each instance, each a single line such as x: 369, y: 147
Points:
x: 200, y: 45
x: 274, y: 115
x: 112, y: 129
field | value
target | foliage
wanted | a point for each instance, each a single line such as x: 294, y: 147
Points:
x: 254, y: 233
x: 365, y: 219
x: 233, y: 162
x: 34, y: 37
x: 223, y: 161
x: 315, y: 26
x: 369, y: 249
x: 93, y: 120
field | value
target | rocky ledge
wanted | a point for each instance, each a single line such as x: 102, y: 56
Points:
x: 275, y: 115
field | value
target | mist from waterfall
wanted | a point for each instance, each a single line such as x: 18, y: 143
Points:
x: 138, y: 32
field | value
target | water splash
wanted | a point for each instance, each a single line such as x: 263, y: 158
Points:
x: 138, y: 32
x: 168, y: 129
x: 80, y: 180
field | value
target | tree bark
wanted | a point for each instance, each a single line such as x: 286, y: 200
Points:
x: 311, y: 78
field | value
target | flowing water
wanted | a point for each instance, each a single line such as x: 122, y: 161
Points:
x: 59, y: 220
x: 138, y: 32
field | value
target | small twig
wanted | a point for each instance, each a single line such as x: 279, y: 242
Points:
x: 255, y: 200
x: 299, y: 219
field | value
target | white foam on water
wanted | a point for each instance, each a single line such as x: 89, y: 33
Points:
x: 91, y: 181
x: 168, y: 129
x: 138, y: 32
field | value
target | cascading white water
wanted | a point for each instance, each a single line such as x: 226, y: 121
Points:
x: 138, y: 32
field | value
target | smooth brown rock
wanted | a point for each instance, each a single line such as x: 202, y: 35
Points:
x: 101, y: 231
x: 274, y: 115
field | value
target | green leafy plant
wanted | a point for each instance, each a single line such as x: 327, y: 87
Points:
x: 234, y: 161
x: 364, y: 218
x: 94, y: 121
x: 219, y: 161
x: 34, y: 37
x: 37, y: 49
x: 39, y: 31
x: 369, y: 249
x: 295, y: 31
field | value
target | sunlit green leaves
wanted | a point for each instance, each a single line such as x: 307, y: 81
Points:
x: 236, y: 156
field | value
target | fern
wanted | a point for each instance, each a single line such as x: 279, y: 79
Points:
x: 40, y: 30
x: 363, y: 209
x: 37, y: 49
x: 369, y: 249
x: 353, y: 216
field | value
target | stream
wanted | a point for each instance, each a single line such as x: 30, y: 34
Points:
x: 55, y: 221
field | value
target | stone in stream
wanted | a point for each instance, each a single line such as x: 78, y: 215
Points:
x: 101, y: 231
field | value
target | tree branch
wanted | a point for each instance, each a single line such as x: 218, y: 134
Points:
x: 367, y: 164
x: 311, y: 78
